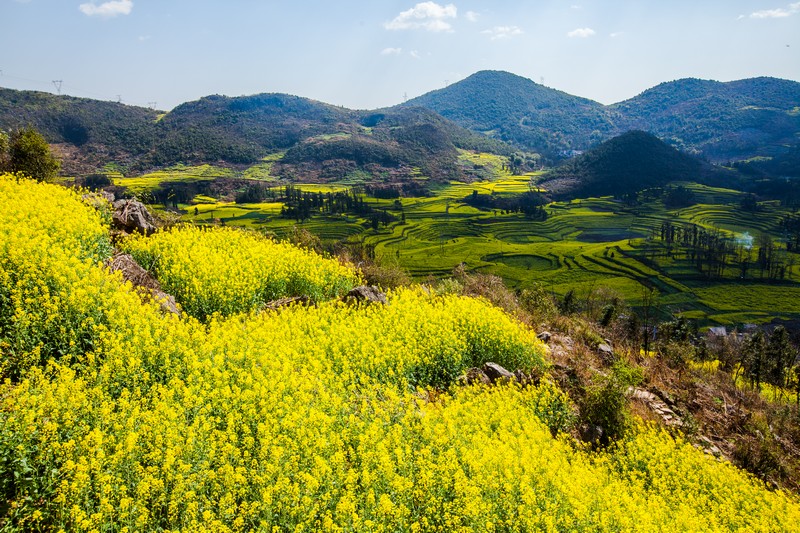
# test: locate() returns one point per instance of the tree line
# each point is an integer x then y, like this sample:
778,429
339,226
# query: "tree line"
712,252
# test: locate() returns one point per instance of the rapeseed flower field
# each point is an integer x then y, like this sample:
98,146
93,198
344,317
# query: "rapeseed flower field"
227,271
115,416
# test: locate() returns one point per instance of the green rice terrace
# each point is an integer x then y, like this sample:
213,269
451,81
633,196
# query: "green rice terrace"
581,245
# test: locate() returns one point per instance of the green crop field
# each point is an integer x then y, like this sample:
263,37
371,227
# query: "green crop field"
583,245
150,181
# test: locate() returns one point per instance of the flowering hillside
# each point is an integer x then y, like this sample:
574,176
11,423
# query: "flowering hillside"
224,270
115,416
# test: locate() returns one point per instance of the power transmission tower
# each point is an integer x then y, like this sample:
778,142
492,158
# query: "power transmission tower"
446,83
119,98
541,80
152,105
57,84
405,95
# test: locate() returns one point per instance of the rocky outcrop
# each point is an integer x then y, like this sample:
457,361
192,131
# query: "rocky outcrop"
493,374
142,280
365,293
133,271
497,373
132,216
474,376
606,352
658,406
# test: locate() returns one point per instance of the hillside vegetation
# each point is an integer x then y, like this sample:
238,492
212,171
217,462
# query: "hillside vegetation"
119,417
320,141
627,164
721,121
517,110
486,112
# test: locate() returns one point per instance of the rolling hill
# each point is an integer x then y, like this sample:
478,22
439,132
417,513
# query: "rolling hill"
527,114
721,121
320,140
631,162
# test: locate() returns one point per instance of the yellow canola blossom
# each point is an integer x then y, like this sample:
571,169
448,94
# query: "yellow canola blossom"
227,270
305,419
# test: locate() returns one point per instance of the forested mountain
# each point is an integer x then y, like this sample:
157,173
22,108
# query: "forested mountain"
321,140
721,121
527,114
91,132
631,162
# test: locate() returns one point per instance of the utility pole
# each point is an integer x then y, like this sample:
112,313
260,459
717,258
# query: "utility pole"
57,84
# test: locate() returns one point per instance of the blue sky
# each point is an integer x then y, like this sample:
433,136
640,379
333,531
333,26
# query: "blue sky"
363,54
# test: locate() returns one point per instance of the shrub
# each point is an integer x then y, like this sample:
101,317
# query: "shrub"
606,405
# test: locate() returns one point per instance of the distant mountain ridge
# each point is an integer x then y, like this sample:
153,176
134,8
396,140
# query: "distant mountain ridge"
322,139
520,111
721,121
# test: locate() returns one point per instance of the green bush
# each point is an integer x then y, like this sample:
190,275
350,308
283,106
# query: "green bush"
606,405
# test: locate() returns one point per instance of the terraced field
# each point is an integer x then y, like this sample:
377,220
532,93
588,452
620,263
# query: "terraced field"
582,246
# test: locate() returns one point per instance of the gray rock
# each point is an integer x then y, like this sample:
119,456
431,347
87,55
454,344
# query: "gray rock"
605,351
132,271
143,281
496,372
365,293
473,376
131,216
544,336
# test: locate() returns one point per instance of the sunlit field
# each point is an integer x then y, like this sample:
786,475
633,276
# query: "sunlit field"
117,416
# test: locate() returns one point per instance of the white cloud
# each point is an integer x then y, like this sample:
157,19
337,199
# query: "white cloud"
472,16
581,32
616,34
391,51
575,6
414,54
425,15
502,32
143,38
107,9
777,13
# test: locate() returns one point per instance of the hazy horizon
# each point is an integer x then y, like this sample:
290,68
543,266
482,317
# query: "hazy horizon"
365,55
